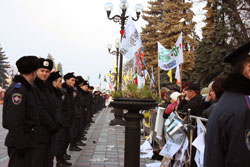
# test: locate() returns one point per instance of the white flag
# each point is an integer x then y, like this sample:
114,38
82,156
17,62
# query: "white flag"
168,60
131,40
177,74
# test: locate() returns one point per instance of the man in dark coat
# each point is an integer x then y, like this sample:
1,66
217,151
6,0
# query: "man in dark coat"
68,89
69,85
20,114
58,139
49,118
228,128
87,108
193,100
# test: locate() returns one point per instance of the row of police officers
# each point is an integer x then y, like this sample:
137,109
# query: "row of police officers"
44,116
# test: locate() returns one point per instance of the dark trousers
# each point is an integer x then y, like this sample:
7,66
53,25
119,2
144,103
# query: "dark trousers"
20,158
41,155
57,145
74,130
67,139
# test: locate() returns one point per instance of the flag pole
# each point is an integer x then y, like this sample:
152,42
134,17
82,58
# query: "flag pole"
181,78
159,84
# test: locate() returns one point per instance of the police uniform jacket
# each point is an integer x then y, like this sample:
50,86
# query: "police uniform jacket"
78,102
228,129
95,103
49,120
20,114
68,101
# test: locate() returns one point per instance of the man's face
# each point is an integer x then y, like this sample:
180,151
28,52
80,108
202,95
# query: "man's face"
246,70
58,83
84,87
190,94
43,73
71,82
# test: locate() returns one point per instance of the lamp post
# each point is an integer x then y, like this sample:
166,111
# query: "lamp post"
115,53
122,19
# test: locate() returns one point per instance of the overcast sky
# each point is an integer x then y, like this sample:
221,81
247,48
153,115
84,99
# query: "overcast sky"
74,32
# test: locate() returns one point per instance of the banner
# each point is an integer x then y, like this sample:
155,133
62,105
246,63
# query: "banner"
168,60
139,61
131,41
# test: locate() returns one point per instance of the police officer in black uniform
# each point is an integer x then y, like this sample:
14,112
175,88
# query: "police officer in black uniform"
49,117
69,85
20,114
228,128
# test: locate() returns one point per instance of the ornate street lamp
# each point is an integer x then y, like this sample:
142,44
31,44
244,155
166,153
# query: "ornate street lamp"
115,53
122,19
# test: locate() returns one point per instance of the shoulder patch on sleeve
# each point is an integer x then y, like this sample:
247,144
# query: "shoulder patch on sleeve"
16,98
248,101
18,85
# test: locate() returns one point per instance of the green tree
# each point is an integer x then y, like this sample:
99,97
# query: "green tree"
149,34
177,17
221,35
4,66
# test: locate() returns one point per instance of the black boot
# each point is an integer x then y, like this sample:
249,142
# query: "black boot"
83,138
73,147
80,143
66,156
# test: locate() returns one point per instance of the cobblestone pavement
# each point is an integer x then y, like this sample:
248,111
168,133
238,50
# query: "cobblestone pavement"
104,145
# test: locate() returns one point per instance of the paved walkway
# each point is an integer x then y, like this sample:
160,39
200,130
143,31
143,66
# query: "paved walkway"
104,145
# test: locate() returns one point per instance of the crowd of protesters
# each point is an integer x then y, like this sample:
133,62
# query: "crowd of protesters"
45,117
225,102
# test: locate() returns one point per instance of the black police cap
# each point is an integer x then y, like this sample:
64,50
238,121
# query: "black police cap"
79,80
239,54
45,63
27,64
54,75
85,83
68,76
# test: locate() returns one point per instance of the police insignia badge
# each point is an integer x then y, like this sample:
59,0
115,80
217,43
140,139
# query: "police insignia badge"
247,135
16,98
46,63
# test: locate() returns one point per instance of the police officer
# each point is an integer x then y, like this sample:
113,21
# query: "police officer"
20,114
228,128
67,90
77,118
72,93
49,119
58,139
87,96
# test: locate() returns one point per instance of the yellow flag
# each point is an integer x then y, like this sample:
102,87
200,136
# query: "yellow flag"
115,69
170,76
108,74
131,74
